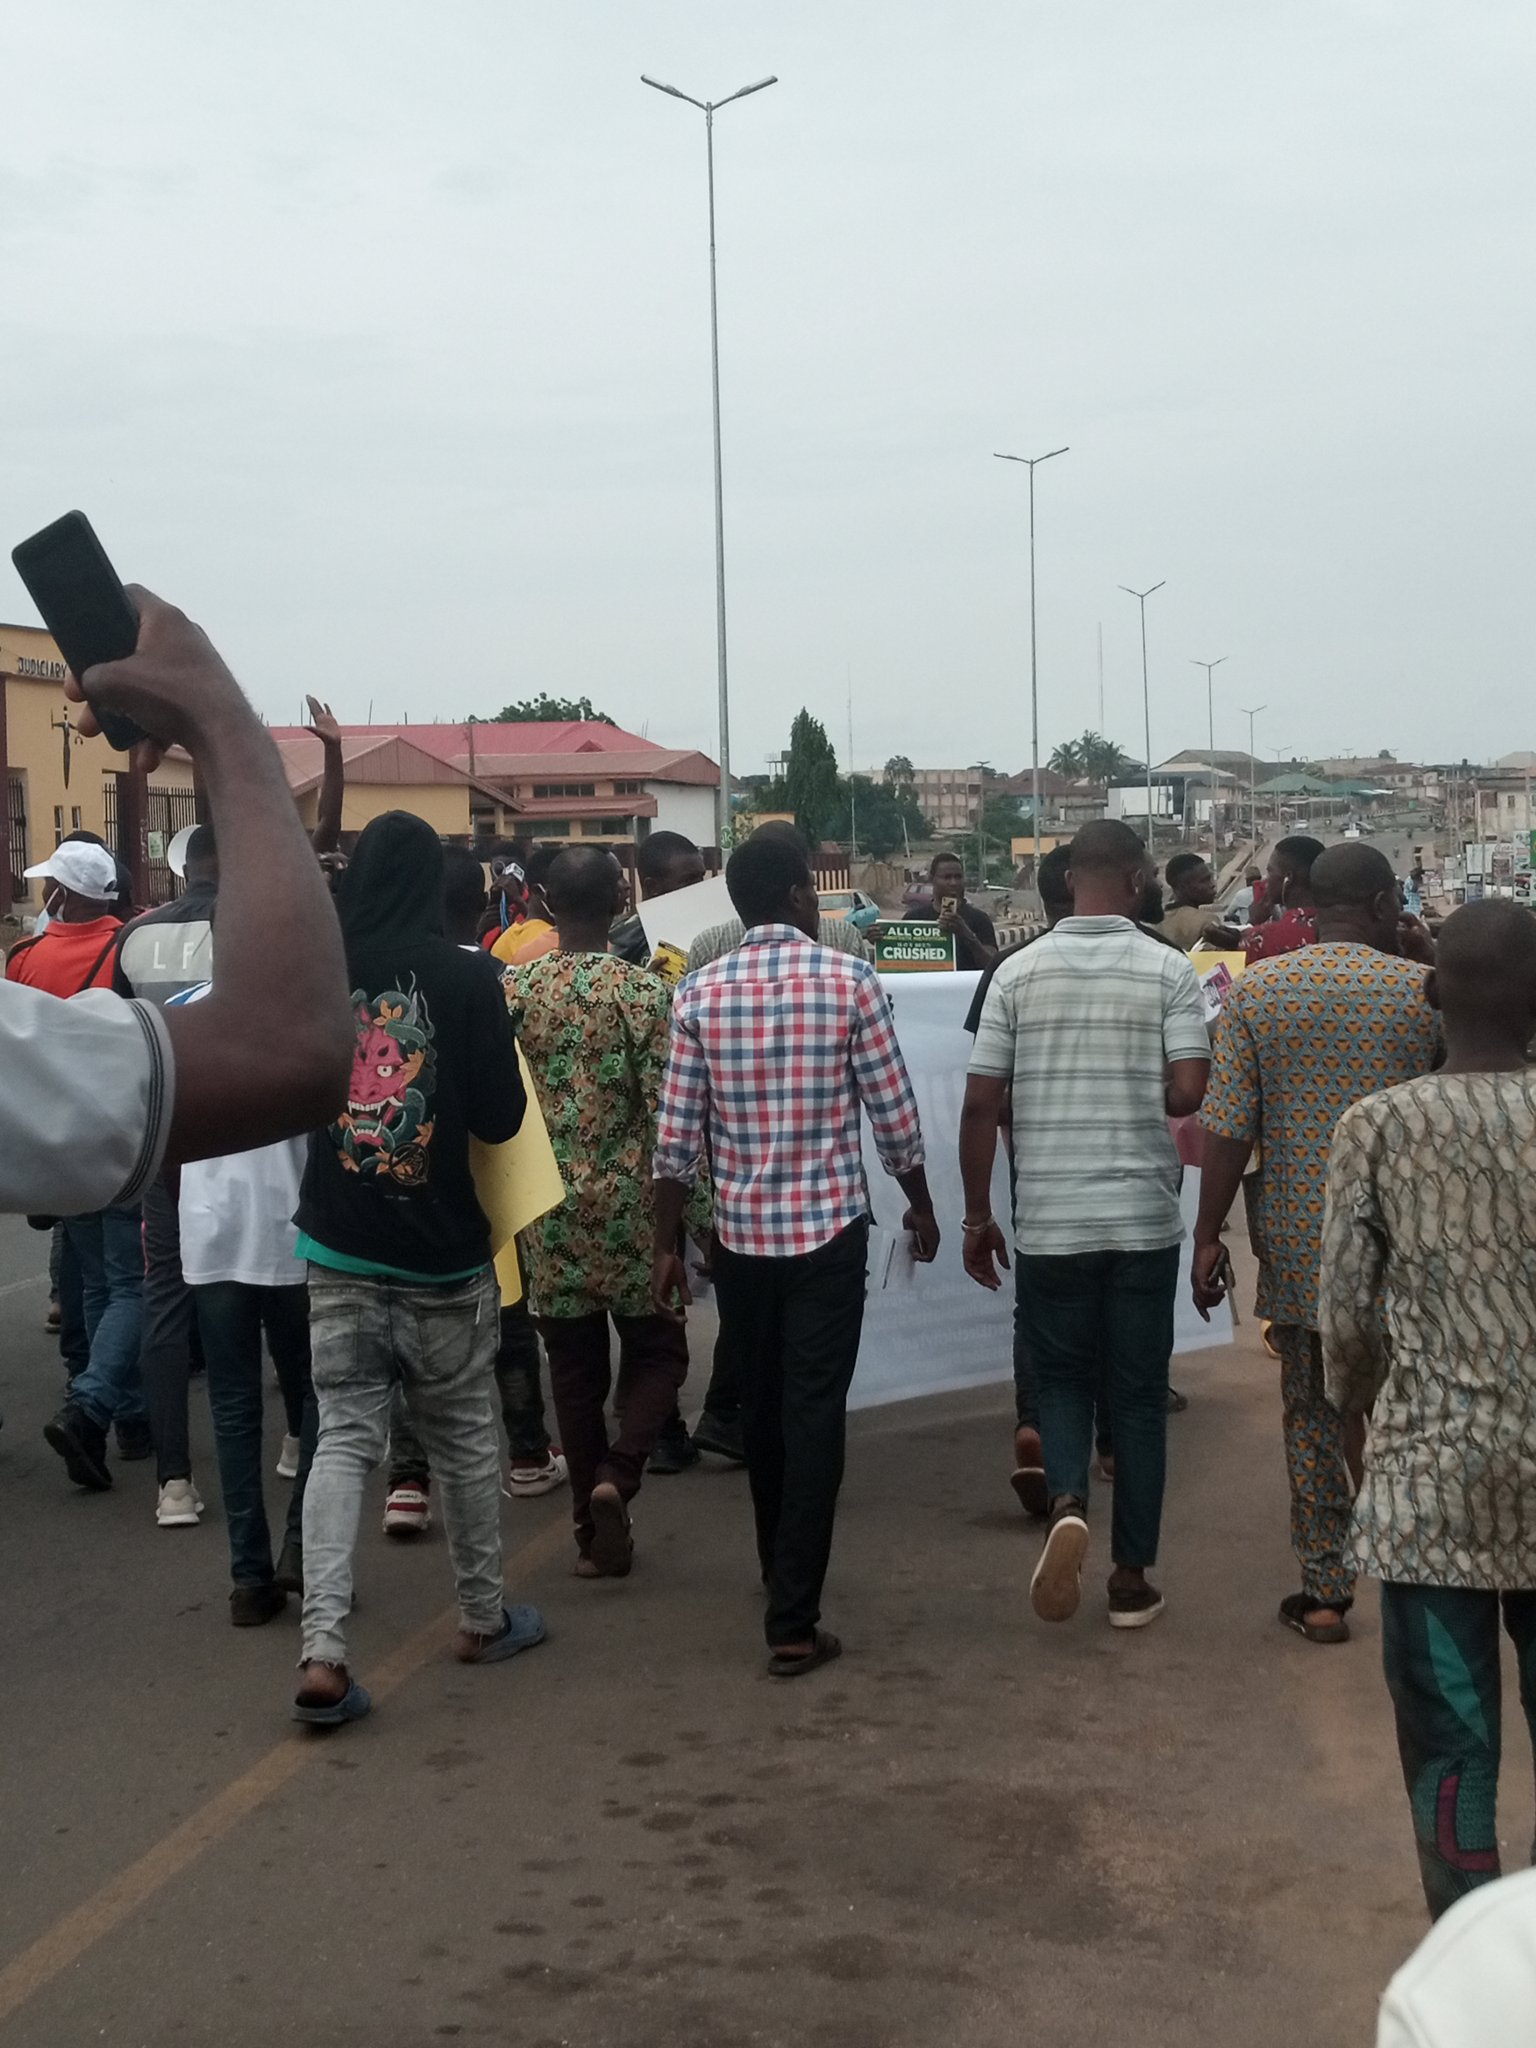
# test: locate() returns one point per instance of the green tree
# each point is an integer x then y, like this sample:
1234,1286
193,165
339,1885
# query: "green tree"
546,710
1092,758
885,817
810,786
900,774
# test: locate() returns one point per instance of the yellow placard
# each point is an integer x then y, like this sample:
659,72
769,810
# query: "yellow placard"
516,1183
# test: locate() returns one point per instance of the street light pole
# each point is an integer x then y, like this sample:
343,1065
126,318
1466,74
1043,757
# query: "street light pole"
1029,462
1141,597
1210,668
1253,777
708,108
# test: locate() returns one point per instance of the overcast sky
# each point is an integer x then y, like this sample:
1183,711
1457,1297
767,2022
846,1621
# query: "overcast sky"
377,336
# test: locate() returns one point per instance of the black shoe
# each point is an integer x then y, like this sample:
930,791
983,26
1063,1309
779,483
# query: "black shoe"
250,1606
81,1445
722,1438
134,1441
674,1452
289,1577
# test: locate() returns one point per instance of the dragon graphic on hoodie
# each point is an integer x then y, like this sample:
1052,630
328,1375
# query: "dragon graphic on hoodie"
384,1129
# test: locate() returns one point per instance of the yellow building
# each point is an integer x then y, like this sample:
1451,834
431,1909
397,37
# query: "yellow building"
54,781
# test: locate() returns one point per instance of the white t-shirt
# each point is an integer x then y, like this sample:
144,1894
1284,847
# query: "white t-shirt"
237,1217
237,1212
86,1089
1471,1983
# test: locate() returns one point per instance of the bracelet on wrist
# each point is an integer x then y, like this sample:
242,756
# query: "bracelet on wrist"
986,1223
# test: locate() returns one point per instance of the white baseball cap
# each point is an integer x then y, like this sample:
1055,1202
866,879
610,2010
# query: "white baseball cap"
79,865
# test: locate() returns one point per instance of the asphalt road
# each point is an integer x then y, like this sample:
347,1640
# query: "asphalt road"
973,1829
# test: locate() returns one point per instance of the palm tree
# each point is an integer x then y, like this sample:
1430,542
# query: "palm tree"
1092,758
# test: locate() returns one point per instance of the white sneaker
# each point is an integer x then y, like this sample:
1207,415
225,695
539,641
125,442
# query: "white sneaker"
526,1482
407,1510
288,1459
179,1505
1057,1585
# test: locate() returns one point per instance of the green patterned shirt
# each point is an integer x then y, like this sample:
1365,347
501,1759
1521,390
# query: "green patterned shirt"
594,1030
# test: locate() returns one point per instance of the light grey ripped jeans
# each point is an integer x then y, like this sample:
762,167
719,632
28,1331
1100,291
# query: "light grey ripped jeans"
368,1335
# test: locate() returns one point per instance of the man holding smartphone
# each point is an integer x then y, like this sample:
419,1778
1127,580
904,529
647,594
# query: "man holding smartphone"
100,1091
974,933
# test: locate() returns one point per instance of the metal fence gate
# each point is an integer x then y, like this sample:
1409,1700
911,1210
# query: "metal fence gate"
16,835
169,811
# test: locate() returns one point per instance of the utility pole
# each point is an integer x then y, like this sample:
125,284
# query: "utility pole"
1141,597
1253,778
1030,462
1210,668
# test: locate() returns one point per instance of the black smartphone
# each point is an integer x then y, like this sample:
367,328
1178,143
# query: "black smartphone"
84,606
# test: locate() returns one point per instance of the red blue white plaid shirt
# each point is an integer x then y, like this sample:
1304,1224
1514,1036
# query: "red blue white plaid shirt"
773,1049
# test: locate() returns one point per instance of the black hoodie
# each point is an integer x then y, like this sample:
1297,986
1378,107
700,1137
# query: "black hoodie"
389,1181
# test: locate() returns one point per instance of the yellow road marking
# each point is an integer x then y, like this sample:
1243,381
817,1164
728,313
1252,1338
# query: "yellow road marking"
68,1939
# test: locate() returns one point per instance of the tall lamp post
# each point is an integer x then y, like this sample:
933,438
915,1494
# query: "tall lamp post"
1253,777
1210,668
1141,597
708,108
1029,462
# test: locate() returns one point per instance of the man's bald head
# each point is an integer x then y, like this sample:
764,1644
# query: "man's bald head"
1350,874
1356,896
1484,977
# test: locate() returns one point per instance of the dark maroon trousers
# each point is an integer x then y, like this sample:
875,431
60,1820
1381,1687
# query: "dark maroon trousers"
653,1363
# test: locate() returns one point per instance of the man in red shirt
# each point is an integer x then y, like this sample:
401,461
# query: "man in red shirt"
1288,892
74,952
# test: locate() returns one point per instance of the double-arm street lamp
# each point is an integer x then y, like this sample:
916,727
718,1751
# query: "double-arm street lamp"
708,109
1034,668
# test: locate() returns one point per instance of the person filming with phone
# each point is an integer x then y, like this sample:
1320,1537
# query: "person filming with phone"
100,1091
973,932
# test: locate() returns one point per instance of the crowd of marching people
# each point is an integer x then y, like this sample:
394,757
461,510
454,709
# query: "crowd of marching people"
298,1182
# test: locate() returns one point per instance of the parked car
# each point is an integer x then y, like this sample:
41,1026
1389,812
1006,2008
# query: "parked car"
853,906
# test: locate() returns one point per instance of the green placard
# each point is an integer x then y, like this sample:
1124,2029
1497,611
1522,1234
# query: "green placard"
914,946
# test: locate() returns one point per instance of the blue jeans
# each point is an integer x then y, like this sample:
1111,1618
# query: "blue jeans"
110,1252
1026,1380
371,1334
1116,1307
232,1318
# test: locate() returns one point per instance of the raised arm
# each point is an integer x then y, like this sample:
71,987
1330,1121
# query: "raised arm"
333,777
267,1055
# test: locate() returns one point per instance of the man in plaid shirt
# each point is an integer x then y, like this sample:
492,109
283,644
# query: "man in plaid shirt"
774,1049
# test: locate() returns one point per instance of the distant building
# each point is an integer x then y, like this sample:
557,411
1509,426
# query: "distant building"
569,780
949,798
53,781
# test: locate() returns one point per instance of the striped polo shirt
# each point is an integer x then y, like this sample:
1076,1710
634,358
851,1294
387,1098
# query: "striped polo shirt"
1082,1023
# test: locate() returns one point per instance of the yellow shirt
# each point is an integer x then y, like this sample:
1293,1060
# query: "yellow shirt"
520,943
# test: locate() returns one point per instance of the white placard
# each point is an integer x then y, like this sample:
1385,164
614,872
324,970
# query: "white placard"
677,920
931,1329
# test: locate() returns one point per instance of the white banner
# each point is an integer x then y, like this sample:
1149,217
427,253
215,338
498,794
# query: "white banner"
931,1329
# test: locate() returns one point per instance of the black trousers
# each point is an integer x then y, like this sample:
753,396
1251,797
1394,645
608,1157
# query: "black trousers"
793,1327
